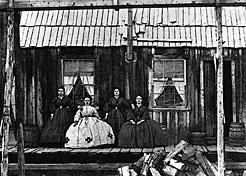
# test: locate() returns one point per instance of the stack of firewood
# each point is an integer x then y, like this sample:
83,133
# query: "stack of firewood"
183,160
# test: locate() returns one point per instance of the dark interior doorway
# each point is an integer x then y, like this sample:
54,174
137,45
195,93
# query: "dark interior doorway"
227,83
210,95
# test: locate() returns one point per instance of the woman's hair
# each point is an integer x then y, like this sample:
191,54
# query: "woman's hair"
61,87
117,89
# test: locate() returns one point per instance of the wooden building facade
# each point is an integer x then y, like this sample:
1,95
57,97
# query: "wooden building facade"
88,46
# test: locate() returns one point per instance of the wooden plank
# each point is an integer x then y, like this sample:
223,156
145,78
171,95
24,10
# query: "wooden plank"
47,36
169,148
105,17
229,148
101,39
59,17
94,151
225,37
86,36
50,16
80,36
70,36
24,17
54,18
105,150
115,150
59,36
39,18
204,16
29,36
35,35
70,17
80,150
136,150
115,17
147,150
64,36
79,17
113,36
29,150
75,36
70,166
23,36
99,17
32,20
107,36
239,149
204,148
88,17
94,17
125,150
53,37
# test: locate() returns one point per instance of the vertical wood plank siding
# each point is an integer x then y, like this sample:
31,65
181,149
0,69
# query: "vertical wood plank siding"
111,71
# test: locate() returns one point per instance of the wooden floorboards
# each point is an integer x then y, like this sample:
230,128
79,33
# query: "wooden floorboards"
113,150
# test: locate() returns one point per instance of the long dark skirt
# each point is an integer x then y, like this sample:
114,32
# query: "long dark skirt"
55,129
116,120
146,134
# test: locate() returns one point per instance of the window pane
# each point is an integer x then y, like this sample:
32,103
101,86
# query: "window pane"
87,79
169,82
158,69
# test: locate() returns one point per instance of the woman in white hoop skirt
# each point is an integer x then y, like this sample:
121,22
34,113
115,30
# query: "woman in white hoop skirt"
88,130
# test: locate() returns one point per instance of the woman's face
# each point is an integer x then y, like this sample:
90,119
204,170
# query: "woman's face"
139,99
60,92
87,101
116,92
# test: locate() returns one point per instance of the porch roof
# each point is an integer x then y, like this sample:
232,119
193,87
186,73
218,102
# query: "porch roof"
158,27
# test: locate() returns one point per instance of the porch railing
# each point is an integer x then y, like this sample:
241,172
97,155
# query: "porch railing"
175,122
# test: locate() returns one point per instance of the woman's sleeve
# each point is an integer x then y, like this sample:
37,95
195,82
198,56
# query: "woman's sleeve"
106,106
53,106
130,115
146,114
95,113
77,115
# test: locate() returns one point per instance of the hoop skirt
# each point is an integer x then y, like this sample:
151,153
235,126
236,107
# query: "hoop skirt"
90,130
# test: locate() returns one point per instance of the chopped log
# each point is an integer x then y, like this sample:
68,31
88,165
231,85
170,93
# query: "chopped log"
206,167
175,151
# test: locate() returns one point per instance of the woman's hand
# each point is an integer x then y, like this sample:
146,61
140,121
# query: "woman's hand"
51,116
132,122
133,107
75,123
141,121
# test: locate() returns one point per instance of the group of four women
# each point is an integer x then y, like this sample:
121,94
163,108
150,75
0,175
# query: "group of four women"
123,125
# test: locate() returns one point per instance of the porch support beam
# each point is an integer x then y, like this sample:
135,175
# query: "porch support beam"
75,4
220,105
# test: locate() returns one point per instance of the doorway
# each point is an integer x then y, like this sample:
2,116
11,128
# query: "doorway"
210,95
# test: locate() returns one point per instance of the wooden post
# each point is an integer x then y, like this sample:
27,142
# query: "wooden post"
220,109
128,55
19,94
202,113
7,90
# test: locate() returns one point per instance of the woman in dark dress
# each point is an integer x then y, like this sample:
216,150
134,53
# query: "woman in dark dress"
55,129
116,112
140,130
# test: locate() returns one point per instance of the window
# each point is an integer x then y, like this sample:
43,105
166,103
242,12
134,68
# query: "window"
79,78
168,82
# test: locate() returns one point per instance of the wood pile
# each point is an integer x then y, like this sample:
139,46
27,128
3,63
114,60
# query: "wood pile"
183,160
